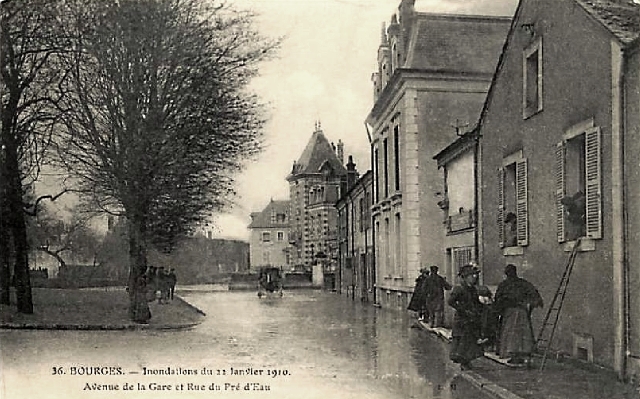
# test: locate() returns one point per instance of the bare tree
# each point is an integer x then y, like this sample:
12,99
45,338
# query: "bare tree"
31,90
59,237
162,120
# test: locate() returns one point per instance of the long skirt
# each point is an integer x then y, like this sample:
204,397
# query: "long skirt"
465,348
516,337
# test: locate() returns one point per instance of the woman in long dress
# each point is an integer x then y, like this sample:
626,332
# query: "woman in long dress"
467,322
515,299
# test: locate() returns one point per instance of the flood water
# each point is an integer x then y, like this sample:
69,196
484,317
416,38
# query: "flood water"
308,344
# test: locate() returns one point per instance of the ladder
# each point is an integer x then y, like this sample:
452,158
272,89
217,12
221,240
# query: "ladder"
545,336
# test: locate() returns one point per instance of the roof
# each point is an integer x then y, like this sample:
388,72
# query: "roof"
316,154
456,148
262,220
620,17
464,43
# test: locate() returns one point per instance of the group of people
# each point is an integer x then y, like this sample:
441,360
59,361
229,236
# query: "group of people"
161,284
428,296
482,320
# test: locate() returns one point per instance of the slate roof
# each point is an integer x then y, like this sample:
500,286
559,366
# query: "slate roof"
316,153
447,42
620,17
262,220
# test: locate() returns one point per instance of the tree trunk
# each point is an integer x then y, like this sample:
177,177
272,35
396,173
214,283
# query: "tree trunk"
5,258
18,228
5,270
138,305
16,220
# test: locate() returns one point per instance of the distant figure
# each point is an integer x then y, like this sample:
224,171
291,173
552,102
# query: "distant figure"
575,206
511,230
418,302
152,283
162,285
435,285
173,279
467,322
141,313
515,299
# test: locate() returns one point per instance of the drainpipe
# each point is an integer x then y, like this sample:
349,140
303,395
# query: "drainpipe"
618,217
476,213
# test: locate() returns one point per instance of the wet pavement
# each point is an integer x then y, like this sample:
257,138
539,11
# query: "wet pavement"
309,344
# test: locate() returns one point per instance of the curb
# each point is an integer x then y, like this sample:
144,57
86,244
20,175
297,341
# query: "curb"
191,306
105,327
94,327
474,378
488,386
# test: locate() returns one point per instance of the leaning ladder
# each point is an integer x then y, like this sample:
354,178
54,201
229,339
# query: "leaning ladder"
545,336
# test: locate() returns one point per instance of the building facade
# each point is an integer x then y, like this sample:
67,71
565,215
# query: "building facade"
269,241
559,169
356,268
458,204
433,74
315,184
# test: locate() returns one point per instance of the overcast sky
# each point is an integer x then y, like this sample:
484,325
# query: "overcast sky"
323,72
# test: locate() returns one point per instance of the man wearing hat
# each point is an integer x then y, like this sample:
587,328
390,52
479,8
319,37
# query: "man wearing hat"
435,287
467,322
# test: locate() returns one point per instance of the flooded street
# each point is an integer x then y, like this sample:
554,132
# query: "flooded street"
308,344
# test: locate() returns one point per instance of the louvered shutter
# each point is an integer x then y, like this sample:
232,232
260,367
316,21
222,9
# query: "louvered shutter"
522,208
500,218
593,183
560,190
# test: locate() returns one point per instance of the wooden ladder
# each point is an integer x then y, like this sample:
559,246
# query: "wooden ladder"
545,336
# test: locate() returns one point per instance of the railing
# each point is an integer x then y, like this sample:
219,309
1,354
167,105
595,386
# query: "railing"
461,221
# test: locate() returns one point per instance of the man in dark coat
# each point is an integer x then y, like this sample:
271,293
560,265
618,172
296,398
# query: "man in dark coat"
467,322
173,279
418,301
435,286
515,299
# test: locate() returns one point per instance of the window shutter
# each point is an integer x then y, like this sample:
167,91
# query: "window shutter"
593,183
560,188
500,218
522,209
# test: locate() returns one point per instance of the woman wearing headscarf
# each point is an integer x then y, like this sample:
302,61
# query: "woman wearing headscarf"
515,299
467,322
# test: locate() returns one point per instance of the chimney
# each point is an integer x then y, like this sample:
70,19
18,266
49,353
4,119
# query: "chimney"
352,173
340,152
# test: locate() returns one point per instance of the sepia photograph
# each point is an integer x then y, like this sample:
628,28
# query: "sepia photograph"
313,199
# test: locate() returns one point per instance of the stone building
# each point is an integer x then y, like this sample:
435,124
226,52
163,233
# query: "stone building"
269,241
356,269
433,74
559,153
316,181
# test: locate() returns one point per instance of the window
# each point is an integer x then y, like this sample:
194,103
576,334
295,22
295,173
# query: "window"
513,212
363,213
281,218
396,155
376,166
385,154
578,184
532,79
266,257
281,236
266,236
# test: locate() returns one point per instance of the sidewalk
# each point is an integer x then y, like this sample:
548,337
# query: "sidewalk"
95,309
567,380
